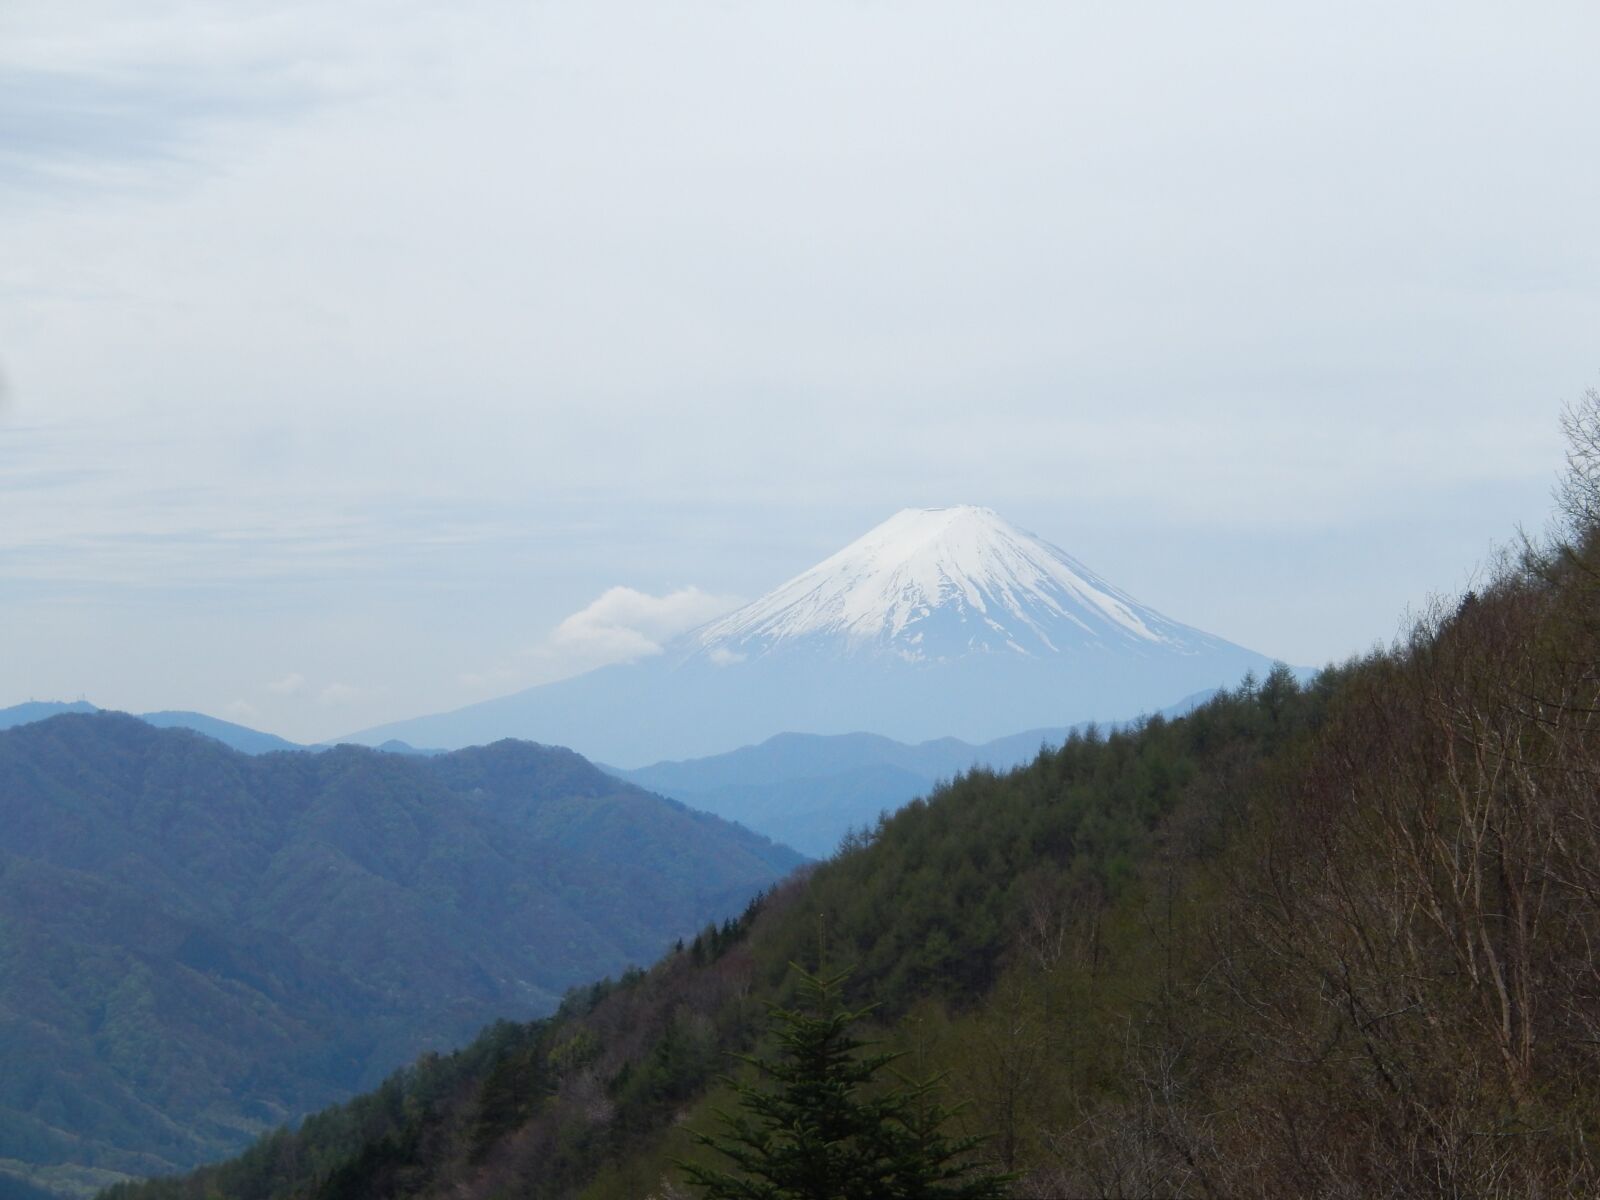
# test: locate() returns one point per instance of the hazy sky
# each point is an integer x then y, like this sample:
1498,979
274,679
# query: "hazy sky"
362,360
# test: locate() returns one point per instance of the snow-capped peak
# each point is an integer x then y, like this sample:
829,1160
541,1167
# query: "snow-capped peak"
939,583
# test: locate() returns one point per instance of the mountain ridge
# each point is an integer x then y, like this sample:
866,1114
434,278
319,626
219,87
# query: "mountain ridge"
809,790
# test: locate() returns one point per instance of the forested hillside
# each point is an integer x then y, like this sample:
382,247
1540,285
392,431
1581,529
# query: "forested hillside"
1336,939
197,945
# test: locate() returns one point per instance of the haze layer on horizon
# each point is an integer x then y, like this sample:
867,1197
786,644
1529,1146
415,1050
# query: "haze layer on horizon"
367,360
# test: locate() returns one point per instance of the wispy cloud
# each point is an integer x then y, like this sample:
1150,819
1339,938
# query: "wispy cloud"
63,130
104,95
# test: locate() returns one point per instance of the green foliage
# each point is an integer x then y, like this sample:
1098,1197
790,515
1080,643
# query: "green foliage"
814,1128
929,902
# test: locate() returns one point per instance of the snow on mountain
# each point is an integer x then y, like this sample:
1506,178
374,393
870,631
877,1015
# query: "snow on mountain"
896,589
939,622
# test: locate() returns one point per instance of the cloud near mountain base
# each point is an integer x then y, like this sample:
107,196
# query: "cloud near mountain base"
623,624
620,625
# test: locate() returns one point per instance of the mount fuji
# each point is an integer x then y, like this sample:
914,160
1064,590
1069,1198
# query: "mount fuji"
946,621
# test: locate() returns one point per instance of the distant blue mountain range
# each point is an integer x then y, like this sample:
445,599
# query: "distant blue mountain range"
807,790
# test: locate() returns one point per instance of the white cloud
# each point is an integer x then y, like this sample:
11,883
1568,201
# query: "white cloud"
620,625
623,624
242,710
291,684
723,657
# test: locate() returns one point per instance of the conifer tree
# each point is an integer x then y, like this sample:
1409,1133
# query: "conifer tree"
814,1127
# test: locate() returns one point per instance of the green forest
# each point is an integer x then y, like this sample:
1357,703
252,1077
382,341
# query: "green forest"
197,945
1336,939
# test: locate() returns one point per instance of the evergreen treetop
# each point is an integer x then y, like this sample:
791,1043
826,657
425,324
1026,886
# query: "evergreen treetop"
815,1127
